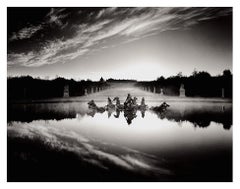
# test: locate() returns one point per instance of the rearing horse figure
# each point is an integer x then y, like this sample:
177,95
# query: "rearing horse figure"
110,105
119,106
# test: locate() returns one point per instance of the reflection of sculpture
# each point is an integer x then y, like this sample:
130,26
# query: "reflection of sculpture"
143,112
110,112
117,113
199,117
182,91
130,115
91,113
66,91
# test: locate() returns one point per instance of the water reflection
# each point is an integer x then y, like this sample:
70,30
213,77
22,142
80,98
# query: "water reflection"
128,114
42,142
160,145
199,114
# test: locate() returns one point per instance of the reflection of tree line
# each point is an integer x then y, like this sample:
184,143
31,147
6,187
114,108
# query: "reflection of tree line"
200,117
31,112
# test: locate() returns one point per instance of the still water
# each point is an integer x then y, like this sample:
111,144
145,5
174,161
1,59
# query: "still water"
68,142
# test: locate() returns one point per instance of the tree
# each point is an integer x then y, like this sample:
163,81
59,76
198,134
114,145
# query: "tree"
179,74
102,80
194,73
160,78
227,73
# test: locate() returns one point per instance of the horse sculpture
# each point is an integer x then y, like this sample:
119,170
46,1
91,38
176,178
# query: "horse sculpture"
110,105
130,104
128,101
92,106
119,106
130,108
163,107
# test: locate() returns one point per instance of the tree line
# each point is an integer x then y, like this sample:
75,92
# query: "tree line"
200,84
26,87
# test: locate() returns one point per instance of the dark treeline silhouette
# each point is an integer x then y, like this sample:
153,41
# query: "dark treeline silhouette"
26,87
200,84
121,80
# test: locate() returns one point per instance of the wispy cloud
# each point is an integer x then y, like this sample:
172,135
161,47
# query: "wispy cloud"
25,33
128,23
55,16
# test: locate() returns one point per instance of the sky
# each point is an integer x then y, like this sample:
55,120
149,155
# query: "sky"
123,43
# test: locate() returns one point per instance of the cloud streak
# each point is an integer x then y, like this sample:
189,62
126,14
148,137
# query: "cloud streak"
129,24
54,17
25,33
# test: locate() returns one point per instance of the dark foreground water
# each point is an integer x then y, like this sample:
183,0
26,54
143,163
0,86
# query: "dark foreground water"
68,142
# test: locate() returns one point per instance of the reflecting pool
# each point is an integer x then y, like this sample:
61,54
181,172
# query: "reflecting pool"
68,142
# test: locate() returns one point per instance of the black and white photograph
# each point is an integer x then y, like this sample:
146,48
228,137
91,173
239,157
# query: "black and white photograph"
119,94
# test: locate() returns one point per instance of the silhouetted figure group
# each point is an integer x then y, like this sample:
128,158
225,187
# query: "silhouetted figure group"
92,105
131,103
129,107
161,108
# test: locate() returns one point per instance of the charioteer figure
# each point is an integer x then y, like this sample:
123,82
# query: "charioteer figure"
128,102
